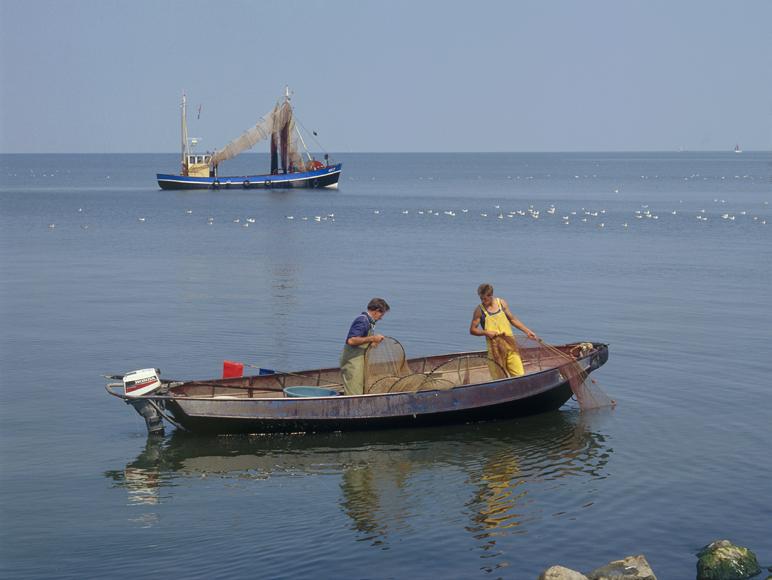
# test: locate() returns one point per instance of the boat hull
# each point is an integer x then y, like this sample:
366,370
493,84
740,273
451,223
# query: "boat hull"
206,420
534,393
326,177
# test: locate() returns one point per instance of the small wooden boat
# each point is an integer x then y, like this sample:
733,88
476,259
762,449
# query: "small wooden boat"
298,168
264,403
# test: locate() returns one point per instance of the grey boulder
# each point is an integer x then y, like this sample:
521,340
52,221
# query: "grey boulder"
631,568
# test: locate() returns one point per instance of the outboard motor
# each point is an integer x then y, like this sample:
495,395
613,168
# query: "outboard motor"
140,383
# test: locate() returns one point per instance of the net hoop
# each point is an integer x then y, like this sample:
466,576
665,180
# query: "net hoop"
382,360
460,370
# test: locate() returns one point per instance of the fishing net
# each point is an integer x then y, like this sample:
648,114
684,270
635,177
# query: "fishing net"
272,122
409,384
501,347
387,371
586,390
432,383
383,361
278,123
538,356
468,370
383,385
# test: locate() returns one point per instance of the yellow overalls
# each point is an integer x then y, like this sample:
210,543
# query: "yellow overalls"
498,322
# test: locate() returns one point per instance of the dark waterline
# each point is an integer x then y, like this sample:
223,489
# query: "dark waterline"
683,302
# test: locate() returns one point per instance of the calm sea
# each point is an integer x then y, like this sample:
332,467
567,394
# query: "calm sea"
667,257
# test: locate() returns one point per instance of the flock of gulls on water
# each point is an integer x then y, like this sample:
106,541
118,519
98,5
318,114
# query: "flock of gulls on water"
583,215
597,217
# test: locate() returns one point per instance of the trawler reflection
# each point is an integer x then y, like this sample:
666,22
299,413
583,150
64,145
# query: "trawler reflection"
390,479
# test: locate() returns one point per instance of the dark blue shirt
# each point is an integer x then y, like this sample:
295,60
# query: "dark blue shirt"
361,326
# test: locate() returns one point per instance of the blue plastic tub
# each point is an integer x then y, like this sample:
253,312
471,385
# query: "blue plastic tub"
309,392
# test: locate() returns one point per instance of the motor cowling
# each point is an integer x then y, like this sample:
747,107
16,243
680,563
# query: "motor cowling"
137,384
141,382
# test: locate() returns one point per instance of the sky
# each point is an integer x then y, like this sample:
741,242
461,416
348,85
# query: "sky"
106,76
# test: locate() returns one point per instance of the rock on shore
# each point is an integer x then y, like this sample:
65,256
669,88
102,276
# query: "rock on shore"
630,568
561,573
722,560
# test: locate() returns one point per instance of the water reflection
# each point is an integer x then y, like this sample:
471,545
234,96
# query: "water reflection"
498,489
486,480
142,477
537,458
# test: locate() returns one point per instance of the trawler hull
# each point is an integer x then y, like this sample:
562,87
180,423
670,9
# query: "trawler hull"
326,177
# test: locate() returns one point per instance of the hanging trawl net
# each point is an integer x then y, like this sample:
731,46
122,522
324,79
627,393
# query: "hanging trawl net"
296,162
273,122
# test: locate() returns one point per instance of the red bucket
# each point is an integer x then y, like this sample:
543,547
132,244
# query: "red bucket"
231,369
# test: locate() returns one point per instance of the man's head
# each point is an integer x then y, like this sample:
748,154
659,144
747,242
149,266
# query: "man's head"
377,307
485,292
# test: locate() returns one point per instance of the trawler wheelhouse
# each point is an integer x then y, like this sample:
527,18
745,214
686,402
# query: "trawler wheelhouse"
198,166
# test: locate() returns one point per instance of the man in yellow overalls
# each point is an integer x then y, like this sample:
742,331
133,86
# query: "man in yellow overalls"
492,318
360,337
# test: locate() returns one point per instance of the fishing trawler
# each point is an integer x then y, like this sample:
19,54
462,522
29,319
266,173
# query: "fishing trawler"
290,168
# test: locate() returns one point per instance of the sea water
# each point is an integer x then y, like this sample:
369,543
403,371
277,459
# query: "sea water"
667,257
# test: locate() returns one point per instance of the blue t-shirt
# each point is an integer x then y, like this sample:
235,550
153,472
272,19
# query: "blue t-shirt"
361,326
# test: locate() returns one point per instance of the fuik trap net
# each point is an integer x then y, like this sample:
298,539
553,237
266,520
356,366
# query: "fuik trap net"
387,370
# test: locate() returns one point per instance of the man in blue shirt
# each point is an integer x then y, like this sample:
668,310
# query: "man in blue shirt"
360,337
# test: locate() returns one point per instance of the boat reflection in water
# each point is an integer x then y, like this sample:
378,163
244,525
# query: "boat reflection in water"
495,474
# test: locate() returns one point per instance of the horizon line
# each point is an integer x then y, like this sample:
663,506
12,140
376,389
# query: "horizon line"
590,151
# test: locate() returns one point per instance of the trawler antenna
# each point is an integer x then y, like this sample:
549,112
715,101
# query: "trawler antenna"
184,111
